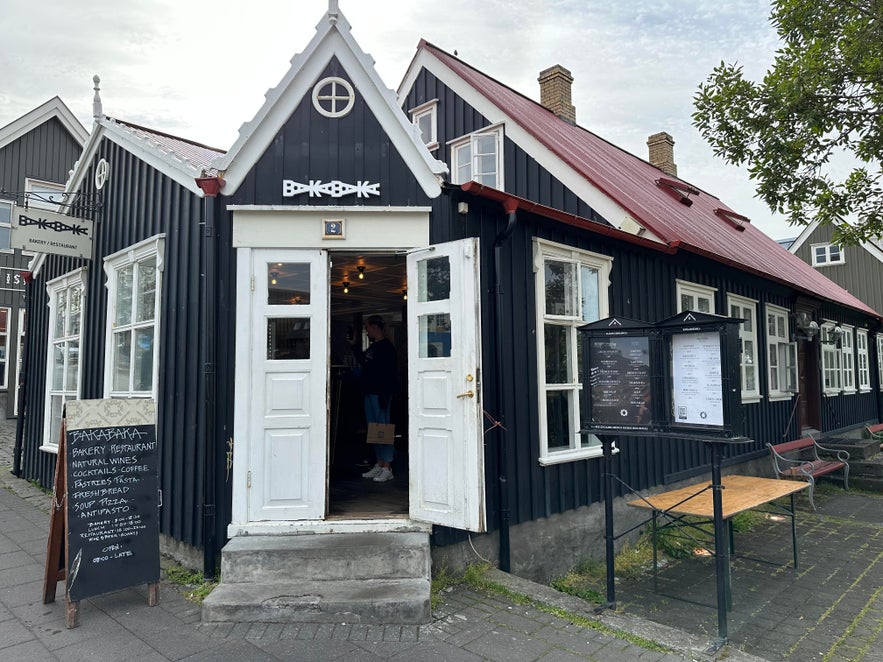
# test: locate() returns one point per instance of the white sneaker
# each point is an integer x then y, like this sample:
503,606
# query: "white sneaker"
373,472
384,475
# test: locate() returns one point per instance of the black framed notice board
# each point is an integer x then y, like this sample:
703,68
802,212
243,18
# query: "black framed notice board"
112,498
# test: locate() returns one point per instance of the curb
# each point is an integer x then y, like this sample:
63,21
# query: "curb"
682,643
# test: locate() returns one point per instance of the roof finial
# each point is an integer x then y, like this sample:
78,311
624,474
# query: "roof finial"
333,10
97,111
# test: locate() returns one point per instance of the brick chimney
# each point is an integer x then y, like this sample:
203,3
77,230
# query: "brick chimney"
662,153
555,85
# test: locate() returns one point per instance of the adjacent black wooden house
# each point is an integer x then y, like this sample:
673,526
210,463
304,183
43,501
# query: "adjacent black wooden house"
37,151
486,229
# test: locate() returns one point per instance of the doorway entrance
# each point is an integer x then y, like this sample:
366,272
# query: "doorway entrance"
363,284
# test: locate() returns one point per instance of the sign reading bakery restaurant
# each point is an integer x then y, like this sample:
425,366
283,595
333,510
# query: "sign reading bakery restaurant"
44,231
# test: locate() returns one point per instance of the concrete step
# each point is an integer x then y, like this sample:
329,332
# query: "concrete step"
858,449
869,483
399,601
326,557
868,469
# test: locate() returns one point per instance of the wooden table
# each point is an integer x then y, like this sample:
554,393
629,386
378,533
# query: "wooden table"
740,493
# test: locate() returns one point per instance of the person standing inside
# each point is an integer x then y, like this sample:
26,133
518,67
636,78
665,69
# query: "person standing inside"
378,380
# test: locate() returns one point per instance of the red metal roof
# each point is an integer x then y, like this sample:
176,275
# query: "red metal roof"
701,228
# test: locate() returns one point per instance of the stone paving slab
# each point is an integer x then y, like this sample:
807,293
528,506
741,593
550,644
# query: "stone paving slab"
831,608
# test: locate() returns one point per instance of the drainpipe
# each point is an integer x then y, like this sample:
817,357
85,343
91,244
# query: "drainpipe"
209,278
22,384
511,207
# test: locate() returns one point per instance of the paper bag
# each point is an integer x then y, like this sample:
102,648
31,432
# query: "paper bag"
381,433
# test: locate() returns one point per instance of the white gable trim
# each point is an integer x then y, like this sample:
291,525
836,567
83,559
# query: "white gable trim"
55,107
873,249
606,206
332,38
803,237
169,164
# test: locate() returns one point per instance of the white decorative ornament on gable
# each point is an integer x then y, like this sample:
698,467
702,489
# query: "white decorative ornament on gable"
101,174
332,101
336,188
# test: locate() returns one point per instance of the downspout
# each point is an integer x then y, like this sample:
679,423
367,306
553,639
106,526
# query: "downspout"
22,383
511,208
209,278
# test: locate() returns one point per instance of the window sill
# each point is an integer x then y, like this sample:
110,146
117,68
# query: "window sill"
751,399
831,392
777,397
573,455
49,449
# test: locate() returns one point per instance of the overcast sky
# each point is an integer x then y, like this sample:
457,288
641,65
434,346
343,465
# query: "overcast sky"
200,69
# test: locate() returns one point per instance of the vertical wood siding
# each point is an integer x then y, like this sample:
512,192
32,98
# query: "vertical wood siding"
642,287
139,203
524,176
46,153
861,274
350,149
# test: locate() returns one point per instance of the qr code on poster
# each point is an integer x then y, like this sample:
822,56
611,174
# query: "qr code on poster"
682,412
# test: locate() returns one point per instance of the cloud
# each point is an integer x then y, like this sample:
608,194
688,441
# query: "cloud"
201,70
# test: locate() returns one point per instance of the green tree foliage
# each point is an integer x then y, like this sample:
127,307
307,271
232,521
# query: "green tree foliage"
820,100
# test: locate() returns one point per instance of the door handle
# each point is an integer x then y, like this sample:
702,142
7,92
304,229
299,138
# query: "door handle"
467,394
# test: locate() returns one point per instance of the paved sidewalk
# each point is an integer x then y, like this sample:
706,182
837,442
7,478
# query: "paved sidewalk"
468,625
831,609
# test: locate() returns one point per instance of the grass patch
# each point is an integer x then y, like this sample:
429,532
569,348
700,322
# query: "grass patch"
190,583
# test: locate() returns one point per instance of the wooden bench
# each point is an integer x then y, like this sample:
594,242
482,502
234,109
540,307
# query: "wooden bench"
799,460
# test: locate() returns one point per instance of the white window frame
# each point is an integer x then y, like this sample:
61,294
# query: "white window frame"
684,288
824,255
471,141
19,344
4,348
781,355
44,188
879,361
7,226
66,283
746,309
832,361
113,264
580,446
423,111
863,366
847,346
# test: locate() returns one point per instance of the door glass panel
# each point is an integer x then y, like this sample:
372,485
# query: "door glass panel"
434,279
288,338
288,284
434,335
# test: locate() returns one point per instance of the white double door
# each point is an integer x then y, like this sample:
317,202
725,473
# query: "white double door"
282,378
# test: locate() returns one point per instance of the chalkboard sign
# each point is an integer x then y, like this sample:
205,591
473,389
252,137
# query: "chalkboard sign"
111,461
620,381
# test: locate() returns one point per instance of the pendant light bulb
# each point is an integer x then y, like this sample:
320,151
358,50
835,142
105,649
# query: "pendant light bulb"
346,287
361,273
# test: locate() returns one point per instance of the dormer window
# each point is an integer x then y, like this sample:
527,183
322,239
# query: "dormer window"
424,118
825,254
479,157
